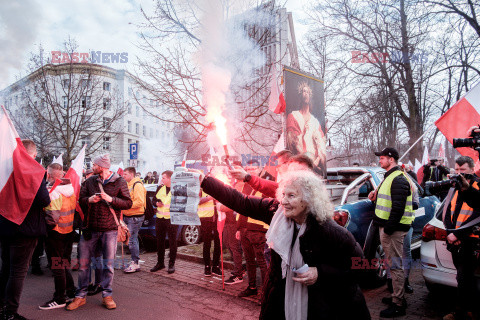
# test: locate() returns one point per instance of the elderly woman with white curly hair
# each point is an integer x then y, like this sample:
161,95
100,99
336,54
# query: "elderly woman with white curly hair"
310,275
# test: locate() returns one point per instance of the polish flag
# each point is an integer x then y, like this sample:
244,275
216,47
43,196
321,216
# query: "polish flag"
75,173
20,174
276,103
441,150
465,113
58,160
272,164
426,157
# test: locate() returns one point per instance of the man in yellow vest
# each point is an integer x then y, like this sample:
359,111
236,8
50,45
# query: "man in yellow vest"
394,215
59,216
462,205
163,225
208,220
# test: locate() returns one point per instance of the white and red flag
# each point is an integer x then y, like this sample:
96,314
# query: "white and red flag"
426,157
20,174
441,150
276,103
465,113
75,173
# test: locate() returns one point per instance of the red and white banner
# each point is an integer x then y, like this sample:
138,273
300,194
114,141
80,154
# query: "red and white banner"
276,103
465,113
75,173
20,174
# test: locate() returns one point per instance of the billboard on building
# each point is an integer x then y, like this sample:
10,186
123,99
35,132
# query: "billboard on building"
305,125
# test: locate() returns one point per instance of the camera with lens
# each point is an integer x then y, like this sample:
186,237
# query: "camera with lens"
472,142
454,180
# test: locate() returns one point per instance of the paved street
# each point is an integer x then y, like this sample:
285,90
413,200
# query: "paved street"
187,294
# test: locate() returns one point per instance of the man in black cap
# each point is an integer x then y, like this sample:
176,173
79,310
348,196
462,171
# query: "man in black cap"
394,215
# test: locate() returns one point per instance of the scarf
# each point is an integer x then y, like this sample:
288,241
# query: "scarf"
279,238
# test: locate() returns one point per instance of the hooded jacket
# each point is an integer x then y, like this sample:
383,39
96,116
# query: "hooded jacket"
138,193
59,215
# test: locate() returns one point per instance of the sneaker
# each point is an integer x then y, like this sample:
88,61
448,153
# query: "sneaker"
393,311
216,271
77,302
248,292
157,267
93,289
171,267
132,267
109,303
52,304
234,279
208,271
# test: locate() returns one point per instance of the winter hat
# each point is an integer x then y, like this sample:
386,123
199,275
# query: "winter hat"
102,161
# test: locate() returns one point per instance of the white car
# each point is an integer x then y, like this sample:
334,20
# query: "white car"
437,263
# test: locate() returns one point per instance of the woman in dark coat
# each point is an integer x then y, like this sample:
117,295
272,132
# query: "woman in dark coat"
302,234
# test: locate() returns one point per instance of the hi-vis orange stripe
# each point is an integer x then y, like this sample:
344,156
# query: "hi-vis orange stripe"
465,211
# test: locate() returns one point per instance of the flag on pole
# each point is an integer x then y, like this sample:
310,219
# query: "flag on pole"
184,161
417,166
276,102
465,113
75,173
441,150
426,157
419,171
221,217
20,174
272,164
118,168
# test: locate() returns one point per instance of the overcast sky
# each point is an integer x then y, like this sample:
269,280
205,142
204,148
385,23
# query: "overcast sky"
100,25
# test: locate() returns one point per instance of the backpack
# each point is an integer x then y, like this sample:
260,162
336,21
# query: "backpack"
149,210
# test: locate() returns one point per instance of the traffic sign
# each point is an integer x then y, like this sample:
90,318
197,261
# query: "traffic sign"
133,163
133,151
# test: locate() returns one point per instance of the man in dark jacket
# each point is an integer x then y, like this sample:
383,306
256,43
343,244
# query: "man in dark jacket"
101,194
18,243
394,215
462,206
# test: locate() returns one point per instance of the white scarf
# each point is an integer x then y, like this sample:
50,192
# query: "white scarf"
279,238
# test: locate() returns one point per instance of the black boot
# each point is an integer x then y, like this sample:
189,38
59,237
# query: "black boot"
171,267
408,287
393,311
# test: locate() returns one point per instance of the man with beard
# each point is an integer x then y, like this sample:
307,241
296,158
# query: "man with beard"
103,195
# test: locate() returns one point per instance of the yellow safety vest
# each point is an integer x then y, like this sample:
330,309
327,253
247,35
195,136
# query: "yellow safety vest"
164,211
384,201
64,207
465,211
206,209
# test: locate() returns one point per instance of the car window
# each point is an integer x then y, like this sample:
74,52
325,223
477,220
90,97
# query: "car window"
360,191
380,175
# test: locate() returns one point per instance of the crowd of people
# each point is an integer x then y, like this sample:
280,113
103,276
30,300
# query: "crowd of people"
284,227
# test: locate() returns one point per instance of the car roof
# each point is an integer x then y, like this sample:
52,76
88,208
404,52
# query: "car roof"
354,170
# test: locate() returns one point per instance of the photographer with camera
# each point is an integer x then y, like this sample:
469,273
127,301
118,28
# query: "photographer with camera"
435,171
460,216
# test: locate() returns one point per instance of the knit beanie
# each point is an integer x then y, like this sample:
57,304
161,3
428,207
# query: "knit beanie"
103,161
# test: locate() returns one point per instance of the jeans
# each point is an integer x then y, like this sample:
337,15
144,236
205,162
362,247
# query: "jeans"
235,248
209,233
16,256
134,223
107,240
59,248
162,226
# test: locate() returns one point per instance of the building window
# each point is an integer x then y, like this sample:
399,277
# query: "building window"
106,103
86,102
85,83
106,143
86,140
137,128
144,131
137,111
129,108
106,122
129,126
85,123
106,86
130,92
65,102
151,132
65,83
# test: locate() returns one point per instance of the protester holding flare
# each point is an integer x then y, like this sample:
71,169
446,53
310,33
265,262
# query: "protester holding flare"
302,234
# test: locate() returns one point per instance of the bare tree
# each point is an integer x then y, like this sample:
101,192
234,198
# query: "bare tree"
173,78
66,105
